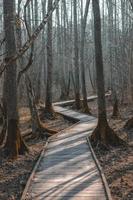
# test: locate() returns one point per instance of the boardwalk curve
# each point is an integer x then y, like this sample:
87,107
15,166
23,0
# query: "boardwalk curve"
67,170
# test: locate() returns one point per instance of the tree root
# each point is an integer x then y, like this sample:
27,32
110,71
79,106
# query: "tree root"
48,113
86,109
43,128
43,131
105,136
129,124
14,144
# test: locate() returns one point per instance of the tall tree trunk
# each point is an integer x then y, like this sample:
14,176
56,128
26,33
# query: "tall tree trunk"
83,28
129,123
115,87
48,101
14,143
76,58
103,133
131,2
62,50
38,128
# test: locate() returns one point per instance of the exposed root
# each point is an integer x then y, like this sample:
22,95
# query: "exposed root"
44,128
48,113
85,108
129,124
42,131
15,144
77,102
105,136
26,133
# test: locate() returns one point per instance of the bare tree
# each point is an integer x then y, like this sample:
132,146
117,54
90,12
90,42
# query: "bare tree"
83,28
48,100
76,57
103,133
14,142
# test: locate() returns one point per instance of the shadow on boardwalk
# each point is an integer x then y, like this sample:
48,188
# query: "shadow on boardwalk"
67,170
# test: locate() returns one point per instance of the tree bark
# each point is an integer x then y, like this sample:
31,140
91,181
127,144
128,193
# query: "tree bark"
14,142
48,100
86,109
103,133
38,128
76,58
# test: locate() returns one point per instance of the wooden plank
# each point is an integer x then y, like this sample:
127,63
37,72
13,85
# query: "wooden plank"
71,198
53,186
67,169
73,114
72,194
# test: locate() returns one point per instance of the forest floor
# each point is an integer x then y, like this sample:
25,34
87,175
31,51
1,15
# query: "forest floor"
14,174
117,163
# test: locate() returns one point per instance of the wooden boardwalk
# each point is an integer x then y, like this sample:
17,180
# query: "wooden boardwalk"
67,170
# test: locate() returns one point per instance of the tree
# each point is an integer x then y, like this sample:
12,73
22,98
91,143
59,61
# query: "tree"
30,41
131,2
48,101
83,28
76,57
103,133
129,123
14,142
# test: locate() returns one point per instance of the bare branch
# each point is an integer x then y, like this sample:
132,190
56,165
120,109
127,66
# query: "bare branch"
32,47
29,42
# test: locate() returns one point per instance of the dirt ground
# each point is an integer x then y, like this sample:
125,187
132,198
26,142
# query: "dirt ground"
118,169
14,174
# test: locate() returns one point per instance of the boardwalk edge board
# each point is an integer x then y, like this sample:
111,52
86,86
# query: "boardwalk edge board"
106,187
23,197
69,118
70,102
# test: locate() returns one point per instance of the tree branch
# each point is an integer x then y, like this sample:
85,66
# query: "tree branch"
29,42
